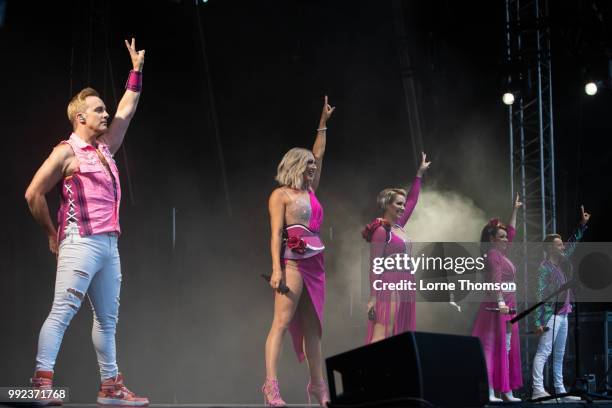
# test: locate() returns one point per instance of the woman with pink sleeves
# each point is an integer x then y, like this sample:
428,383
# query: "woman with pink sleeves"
392,312
499,338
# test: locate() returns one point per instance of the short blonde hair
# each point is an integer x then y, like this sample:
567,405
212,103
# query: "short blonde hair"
290,171
387,196
77,103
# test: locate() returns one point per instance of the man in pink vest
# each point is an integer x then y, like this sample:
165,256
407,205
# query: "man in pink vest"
85,241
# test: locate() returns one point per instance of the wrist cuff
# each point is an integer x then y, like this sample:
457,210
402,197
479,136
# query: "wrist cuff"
134,81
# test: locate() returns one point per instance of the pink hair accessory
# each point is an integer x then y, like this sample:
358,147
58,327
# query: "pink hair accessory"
496,222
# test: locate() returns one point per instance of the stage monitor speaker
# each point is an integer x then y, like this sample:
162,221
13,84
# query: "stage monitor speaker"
595,339
411,369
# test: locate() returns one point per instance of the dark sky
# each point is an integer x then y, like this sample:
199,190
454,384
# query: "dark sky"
270,64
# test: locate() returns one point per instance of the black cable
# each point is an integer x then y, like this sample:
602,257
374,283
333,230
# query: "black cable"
124,153
213,112
606,381
71,75
90,16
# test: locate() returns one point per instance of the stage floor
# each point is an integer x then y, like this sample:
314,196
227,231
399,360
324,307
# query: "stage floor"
580,404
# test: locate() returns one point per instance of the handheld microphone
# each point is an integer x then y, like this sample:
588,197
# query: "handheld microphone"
496,309
282,288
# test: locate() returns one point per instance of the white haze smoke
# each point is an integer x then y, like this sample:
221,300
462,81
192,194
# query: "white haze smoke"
440,216
445,216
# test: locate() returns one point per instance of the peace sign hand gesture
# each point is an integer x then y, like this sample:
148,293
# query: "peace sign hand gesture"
424,165
136,56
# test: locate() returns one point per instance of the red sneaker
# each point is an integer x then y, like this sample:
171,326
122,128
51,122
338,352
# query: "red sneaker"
43,380
114,393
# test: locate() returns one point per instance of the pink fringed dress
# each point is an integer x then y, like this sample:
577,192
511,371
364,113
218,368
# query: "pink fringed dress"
304,247
384,243
504,367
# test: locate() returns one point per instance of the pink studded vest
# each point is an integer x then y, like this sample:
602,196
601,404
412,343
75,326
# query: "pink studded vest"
90,197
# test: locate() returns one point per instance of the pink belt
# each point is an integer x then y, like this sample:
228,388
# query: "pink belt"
300,242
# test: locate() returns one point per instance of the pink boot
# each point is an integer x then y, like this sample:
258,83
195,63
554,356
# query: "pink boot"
319,390
271,393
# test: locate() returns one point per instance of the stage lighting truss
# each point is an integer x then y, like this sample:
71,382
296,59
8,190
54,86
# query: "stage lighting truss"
530,118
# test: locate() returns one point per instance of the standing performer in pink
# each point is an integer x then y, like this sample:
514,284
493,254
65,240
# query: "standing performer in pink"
499,338
297,265
85,241
392,312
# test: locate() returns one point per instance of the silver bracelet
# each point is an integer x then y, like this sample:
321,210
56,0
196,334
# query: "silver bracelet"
322,129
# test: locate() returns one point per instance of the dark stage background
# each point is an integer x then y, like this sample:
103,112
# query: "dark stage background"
194,317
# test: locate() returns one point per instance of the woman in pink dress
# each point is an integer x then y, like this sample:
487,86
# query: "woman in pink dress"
298,275
499,338
392,312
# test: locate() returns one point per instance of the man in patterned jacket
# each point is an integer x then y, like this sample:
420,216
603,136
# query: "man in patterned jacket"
551,319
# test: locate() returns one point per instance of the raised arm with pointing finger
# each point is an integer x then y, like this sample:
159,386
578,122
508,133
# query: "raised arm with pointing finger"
318,150
492,326
551,320
298,267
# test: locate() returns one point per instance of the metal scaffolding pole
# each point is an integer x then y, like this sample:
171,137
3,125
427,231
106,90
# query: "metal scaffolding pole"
532,169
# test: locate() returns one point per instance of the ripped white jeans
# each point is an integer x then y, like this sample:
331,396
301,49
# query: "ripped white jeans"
86,266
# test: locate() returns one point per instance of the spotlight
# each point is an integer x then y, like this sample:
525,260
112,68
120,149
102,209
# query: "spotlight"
590,88
508,98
